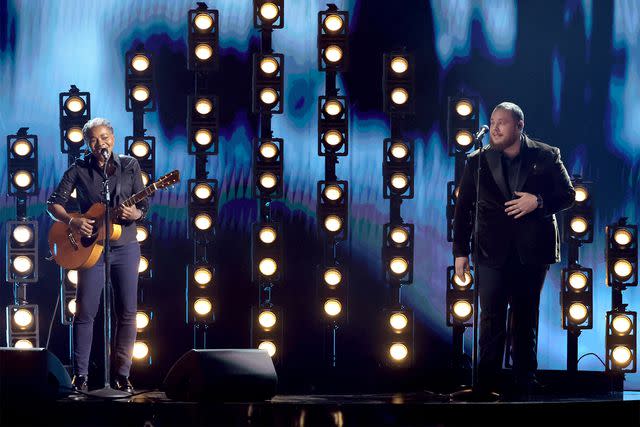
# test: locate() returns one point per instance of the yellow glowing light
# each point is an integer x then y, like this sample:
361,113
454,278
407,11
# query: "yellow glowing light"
333,138
22,147
268,267
582,193
399,150
268,150
577,280
464,138
72,277
462,282
202,306
22,234
203,191
399,64
203,276
74,135
332,192
142,320
140,93
333,108
269,65
332,277
398,352
462,309
464,107
204,106
22,344
268,180
268,346
140,62
74,104
398,265
399,235
623,269
23,318
622,237
145,178
578,312
332,307
23,179
333,23
579,224
268,96
398,321
22,265
140,350
399,96
399,181
267,235
72,306
333,54
267,319
621,355
203,221
143,265
333,223
203,137
203,21
621,324
140,149
203,51
269,11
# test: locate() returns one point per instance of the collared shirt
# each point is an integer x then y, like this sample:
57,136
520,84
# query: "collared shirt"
511,168
86,177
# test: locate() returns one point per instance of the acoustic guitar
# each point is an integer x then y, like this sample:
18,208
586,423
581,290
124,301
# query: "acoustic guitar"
74,251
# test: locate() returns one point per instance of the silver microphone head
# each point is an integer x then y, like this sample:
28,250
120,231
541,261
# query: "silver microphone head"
104,153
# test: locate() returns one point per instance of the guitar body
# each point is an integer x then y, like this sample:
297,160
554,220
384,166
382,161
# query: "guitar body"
73,251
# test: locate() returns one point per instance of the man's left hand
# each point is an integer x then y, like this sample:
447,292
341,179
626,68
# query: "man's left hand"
129,213
524,204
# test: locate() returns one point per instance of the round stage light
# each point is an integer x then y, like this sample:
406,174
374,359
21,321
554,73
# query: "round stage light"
22,234
399,181
268,96
399,96
398,266
140,350
267,319
72,306
333,23
142,233
268,346
398,352
268,267
267,235
203,221
332,307
74,135
23,318
332,192
268,150
464,138
140,93
142,320
622,237
333,223
268,181
23,148
578,312
332,108
145,178
22,344
72,277
140,149
140,63
622,269
74,104
462,282
399,64
269,12
399,151
143,265
203,192
74,194
203,137
23,265
399,236
23,179
398,321
464,107
203,22
462,310
621,356
582,193
332,54
577,280
204,106
621,324
579,225
202,276
332,277
269,65
203,51
333,138
202,306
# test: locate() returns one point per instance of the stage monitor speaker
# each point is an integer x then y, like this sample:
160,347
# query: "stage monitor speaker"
222,375
32,374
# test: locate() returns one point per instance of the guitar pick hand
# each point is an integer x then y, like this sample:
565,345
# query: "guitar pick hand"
83,226
129,213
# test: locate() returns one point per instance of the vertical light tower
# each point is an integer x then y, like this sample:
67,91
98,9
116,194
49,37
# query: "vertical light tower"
75,111
22,240
462,124
202,132
267,166
332,205
398,86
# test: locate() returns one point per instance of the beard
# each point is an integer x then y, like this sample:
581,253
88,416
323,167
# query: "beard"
504,143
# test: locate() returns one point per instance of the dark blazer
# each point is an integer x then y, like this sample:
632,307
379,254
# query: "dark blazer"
535,235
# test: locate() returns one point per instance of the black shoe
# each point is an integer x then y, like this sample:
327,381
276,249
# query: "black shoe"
122,383
80,383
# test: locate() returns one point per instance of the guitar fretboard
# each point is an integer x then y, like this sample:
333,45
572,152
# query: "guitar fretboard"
138,197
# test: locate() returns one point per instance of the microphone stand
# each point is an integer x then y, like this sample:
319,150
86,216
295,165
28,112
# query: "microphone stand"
107,391
474,394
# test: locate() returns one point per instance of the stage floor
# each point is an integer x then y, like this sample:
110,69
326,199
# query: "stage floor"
401,409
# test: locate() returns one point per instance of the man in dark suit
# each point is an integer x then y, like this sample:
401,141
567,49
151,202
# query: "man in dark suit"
523,183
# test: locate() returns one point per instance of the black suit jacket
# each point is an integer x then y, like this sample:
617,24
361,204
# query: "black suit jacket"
535,235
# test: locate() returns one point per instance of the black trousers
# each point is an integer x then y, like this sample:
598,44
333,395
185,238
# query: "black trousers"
124,262
518,285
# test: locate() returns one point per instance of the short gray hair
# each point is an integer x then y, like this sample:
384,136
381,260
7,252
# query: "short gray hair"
516,111
94,123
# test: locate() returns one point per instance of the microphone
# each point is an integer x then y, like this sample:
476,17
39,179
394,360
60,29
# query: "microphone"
484,129
104,153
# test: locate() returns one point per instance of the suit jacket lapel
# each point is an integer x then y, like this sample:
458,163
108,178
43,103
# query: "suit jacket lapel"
495,165
527,163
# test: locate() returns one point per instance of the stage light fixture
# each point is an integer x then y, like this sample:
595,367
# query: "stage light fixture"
203,276
459,298
140,350
332,307
333,46
200,292
398,352
203,39
22,324
398,82
268,155
268,346
23,344
621,342
139,86
202,124
622,254
333,129
578,219
71,306
332,292
396,329
68,288
332,277
146,178
266,329
266,252
75,111
398,321
333,208
143,149
142,233
268,14
142,320
267,319
397,253
397,169
22,251
203,208
268,83
462,124
22,164
462,310
21,148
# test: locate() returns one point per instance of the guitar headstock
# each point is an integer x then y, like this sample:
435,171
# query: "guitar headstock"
168,179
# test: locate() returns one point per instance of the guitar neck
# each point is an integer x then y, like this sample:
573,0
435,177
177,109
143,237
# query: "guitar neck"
138,197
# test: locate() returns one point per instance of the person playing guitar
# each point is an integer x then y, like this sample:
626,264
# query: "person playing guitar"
86,177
